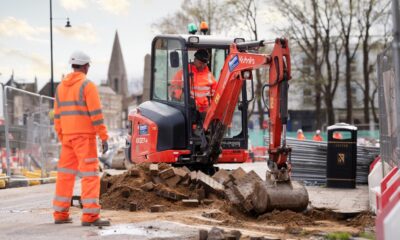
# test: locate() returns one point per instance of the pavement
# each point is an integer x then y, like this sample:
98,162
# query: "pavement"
26,213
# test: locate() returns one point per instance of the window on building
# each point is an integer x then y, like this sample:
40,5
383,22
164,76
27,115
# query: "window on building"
307,96
116,85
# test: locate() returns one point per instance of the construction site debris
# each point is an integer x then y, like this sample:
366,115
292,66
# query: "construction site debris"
190,202
133,206
219,234
147,186
157,208
154,169
152,184
203,234
167,173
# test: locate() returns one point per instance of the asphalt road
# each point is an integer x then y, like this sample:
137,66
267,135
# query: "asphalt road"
26,213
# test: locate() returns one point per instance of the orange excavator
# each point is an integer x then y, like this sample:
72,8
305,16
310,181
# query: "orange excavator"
169,130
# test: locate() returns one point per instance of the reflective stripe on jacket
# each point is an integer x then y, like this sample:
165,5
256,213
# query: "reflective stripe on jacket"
77,107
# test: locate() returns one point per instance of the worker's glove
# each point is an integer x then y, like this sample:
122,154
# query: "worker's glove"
104,145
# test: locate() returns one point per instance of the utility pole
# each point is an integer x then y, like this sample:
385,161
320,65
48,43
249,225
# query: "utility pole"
51,52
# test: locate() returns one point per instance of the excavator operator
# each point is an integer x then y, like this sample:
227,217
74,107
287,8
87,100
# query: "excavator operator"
202,82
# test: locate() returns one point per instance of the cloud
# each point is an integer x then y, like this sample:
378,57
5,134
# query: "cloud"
116,7
12,27
74,4
85,33
35,63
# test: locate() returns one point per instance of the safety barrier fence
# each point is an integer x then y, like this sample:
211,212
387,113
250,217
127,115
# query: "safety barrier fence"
29,145
309,161
388,109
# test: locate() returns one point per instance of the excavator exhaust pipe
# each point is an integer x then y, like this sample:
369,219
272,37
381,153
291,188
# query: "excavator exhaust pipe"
285,195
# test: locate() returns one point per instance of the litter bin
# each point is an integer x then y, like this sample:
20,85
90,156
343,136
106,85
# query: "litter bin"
342,156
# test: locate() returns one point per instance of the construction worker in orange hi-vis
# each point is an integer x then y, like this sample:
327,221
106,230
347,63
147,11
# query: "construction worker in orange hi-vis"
203,85
77,119
300,135
317,137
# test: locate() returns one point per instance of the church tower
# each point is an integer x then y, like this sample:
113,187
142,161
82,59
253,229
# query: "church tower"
117,78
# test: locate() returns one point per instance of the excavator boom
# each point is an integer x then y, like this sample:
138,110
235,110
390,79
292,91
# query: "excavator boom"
238,68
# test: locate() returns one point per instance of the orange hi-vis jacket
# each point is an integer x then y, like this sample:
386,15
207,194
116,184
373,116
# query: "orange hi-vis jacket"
300,136
317,138
77,109
204,86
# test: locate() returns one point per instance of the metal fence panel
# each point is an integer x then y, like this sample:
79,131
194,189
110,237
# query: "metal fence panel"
388,108
31,143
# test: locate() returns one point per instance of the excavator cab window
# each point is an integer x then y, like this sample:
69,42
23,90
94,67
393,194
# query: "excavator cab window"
167,71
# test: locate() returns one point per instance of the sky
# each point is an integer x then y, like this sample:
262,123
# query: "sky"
25,35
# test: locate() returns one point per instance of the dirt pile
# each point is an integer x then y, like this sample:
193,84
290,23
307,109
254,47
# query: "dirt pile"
146,185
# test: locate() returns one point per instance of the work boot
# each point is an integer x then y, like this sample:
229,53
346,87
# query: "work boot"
68,220
98,223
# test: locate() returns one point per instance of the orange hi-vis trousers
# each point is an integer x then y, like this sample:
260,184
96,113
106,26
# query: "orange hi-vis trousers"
78,157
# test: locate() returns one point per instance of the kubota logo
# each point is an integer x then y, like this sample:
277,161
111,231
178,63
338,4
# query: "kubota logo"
247,60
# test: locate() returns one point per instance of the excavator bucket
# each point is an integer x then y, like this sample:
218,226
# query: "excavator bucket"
284,195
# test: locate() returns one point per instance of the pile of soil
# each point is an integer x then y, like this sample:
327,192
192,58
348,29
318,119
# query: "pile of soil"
124,189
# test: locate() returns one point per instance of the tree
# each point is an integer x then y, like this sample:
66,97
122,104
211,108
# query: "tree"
247,11
372,12
347,14
196,11
331,44
304,28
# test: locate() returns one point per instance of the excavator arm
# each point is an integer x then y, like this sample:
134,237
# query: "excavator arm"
237,69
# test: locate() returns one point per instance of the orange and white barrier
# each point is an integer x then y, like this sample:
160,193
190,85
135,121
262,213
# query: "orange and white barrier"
375,177
388,207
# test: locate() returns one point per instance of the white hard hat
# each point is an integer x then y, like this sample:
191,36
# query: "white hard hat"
79,58
299,131
318,131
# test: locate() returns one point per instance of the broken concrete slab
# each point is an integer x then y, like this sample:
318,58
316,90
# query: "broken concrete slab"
216,234
173,181
167,173
134,172
229,193
154,169
203,234
147,187
156,179
186,169
181,173
237,234
190,202
237,174
207,201
250,177
271,237
193,176
157,208
209,183
243,191
222,176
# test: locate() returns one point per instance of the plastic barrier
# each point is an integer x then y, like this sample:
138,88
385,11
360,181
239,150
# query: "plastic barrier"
388,218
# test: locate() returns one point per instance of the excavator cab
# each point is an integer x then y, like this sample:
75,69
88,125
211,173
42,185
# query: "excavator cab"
168,128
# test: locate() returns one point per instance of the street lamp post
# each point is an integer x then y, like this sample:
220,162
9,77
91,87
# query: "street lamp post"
51,52
51,49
